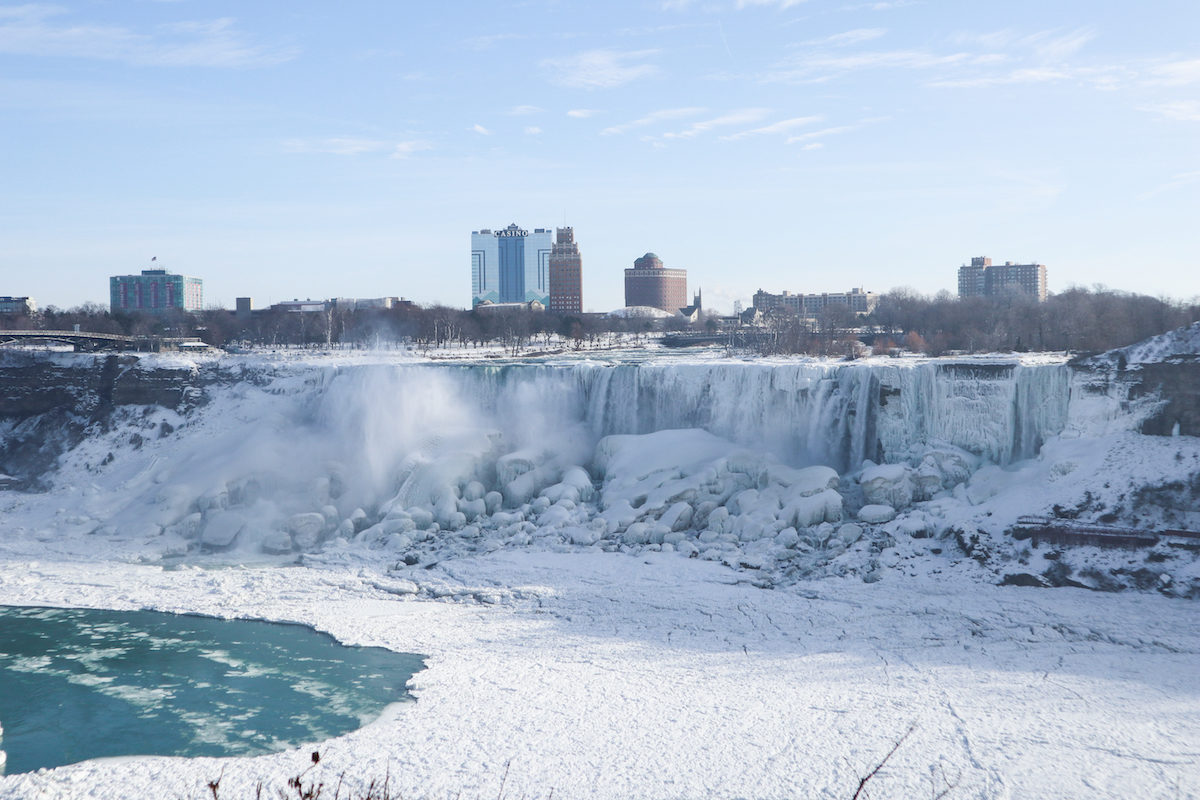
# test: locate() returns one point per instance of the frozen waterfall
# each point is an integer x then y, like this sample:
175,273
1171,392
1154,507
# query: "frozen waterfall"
804,414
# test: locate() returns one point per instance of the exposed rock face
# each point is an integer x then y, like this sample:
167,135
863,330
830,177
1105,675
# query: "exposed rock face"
47,401
1178,385
1161,373
89,385
1168,392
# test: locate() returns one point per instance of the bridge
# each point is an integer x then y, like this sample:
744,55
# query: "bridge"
91,341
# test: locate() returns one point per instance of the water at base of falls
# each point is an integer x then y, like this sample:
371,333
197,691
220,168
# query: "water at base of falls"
77,684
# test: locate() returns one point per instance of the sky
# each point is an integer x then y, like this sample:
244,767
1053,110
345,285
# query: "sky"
301,149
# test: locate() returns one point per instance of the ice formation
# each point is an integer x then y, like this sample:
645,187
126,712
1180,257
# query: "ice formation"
709,456
749,463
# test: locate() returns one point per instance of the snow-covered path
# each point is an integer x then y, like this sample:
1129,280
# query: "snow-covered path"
616,676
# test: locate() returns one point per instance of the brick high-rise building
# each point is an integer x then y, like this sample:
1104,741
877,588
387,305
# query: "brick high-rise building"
566,274
650,284
983,279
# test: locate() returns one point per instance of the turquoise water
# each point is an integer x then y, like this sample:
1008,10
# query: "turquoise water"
78,684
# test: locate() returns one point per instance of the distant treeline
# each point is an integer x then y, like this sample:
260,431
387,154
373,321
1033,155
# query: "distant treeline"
1078,319
407,323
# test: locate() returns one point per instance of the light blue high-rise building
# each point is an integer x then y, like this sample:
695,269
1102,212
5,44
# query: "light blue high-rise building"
510,265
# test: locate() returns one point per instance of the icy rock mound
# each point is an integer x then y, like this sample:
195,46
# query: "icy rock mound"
887,484
876,514
941,466
696,493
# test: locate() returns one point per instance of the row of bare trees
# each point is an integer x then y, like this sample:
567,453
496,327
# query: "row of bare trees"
425,327
1078,319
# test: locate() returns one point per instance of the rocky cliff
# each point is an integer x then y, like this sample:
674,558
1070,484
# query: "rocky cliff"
49,401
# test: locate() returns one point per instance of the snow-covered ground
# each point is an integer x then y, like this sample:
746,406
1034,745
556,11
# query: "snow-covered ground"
613,676
648,581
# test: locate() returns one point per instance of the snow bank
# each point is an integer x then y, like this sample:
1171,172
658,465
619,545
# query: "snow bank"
1181,343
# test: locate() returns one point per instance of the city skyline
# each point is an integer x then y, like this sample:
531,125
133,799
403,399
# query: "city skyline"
293,149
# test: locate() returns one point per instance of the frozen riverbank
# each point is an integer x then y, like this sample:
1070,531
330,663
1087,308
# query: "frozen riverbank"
616,676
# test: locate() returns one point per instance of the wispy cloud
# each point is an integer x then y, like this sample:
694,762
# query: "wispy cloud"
652,118
744,116
582,113
821,67
846,38
783,126
651,30
482,131
533,130
1031,75
821,134
1040,57
522,111
42,30
337,145
978,60
354,146
782,4
600,69
1051,46
883,5
1177,181
491,40
1182,110
1177,73
406,149
836,130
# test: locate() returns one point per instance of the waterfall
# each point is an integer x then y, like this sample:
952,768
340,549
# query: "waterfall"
807,413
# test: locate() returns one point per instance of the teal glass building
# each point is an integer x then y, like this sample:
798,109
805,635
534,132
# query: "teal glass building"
155,291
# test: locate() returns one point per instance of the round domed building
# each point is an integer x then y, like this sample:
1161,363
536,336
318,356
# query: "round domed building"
648,283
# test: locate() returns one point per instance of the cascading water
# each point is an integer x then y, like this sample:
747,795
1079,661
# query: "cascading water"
832,414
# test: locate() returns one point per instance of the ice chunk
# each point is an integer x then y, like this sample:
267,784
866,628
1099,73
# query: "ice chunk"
188,527
276,543
511,466
306,526
803,512
788,537
849,533
528,485
887,484
804,482
876,513
678,517
221,528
